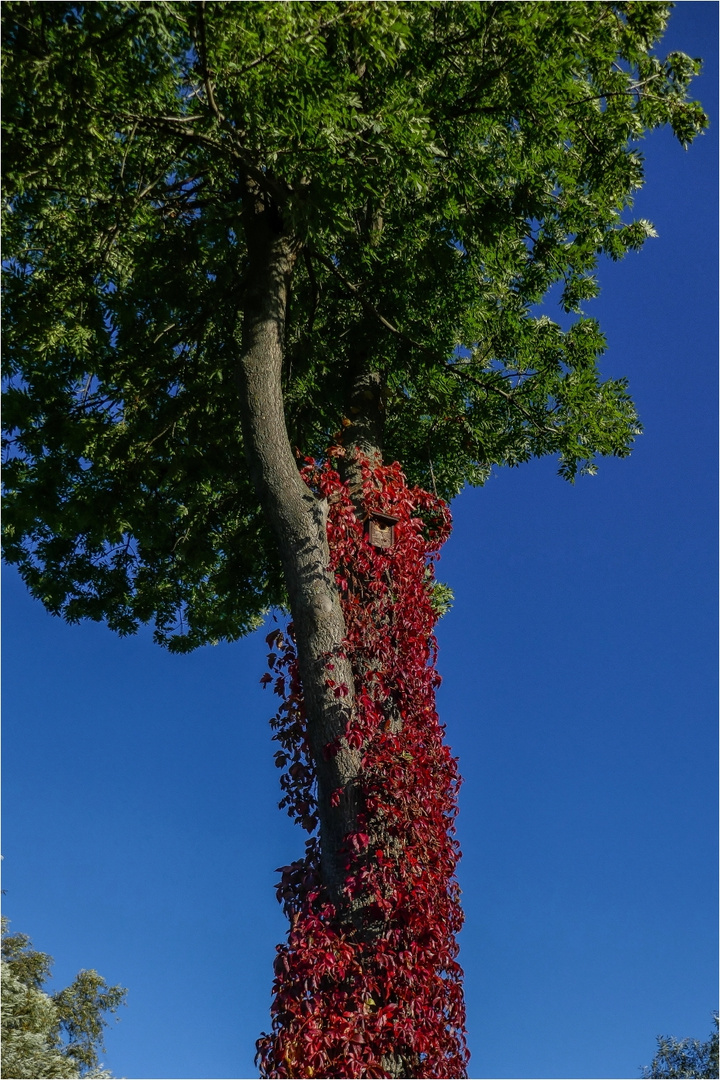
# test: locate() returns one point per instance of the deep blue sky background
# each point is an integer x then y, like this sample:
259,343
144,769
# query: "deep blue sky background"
141,822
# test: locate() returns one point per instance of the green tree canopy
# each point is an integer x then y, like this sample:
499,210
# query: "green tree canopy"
439,167
51,1035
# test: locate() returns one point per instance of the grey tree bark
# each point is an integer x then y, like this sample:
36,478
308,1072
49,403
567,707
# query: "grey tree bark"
298,520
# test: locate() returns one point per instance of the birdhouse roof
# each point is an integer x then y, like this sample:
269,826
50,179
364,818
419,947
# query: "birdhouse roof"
383,519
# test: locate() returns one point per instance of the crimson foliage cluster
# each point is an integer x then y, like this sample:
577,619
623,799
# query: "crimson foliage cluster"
358,988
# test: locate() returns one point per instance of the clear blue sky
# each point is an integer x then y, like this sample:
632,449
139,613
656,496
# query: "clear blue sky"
141,822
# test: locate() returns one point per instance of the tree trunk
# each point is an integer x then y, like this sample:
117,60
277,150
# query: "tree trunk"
364,438
364,435
298,520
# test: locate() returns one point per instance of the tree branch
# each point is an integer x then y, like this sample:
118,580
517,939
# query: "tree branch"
452,369
368,306
236,152
508,395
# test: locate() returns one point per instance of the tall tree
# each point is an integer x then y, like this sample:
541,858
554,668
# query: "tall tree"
51,1035
256,253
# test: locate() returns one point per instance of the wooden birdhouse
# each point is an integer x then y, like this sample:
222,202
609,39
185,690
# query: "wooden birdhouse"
381,529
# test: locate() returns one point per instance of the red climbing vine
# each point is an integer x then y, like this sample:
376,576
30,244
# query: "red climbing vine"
365,1000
